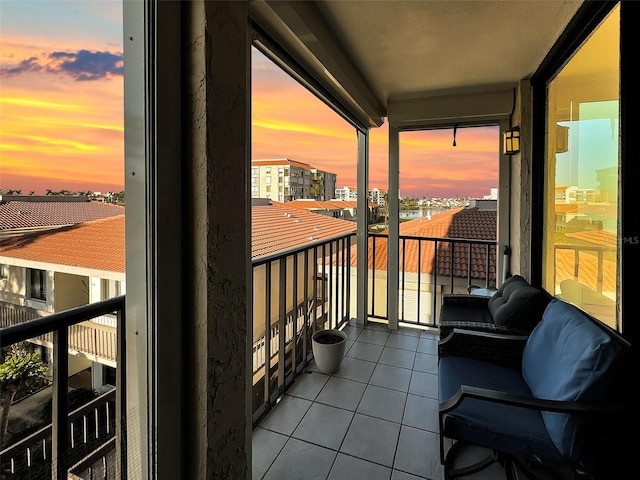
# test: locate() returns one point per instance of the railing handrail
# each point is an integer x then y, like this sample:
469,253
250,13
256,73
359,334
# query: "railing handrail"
39,326
440,239
592,248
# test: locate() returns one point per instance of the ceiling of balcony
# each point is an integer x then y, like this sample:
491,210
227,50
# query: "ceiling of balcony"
388,50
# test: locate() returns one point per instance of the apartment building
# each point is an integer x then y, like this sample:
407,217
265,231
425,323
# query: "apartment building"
375,195
284,180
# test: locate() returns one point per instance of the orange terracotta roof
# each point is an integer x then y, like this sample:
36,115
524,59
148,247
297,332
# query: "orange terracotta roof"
280,161
279,227
603,238
100,244
97,244
566,207
307,204
326,204
17,214
468,223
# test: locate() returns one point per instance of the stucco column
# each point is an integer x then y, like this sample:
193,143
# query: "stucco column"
216,74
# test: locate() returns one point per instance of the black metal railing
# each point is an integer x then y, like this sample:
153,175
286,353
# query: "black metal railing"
94,340
91,427
58,451
429,268
585,276
298,293
598,252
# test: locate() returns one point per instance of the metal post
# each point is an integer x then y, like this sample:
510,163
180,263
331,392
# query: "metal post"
60,406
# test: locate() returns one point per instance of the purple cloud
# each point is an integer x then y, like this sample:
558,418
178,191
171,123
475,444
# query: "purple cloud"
82,65
86,65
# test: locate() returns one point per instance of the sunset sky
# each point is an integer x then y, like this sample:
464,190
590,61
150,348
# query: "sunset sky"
61,114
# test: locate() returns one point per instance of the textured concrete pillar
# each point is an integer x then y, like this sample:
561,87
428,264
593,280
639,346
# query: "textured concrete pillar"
521,186
216,66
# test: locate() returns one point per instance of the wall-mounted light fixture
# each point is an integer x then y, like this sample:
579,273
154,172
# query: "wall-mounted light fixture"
511,141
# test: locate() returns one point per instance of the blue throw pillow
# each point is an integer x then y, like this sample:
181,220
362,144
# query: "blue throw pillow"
567,357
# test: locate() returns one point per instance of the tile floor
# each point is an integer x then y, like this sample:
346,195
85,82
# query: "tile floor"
376,418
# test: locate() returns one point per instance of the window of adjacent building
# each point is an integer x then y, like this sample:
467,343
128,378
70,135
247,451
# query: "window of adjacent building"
37,284
581,240
110,289
4,272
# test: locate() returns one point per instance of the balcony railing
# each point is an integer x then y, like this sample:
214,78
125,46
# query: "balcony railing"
429,268
95,340
59,449
298,292
585,275
90,428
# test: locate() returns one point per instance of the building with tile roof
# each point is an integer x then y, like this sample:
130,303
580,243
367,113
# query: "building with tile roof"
277,227
56,269
53,270
457,223
425,269
344,209
21,214
92,248
283,179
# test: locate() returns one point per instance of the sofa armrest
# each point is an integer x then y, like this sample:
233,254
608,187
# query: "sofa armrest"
447,326
541,404
498,348
465,299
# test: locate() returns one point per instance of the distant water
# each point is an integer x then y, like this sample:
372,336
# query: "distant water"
420,213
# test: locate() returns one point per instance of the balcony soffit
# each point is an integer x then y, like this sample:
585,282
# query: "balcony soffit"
384,51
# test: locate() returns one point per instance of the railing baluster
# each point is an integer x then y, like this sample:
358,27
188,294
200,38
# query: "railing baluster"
347,273
282,327
373,276
315,290
469,265
305,327
60,406
267,333
419,288
294,334
325,314
330,286
452,267
434,274
488,266
404,269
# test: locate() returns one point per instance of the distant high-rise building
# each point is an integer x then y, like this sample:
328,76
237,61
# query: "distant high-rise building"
284,180
346,193
493,195
375,195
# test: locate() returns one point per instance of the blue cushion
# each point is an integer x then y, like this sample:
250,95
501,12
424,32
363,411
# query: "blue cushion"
567,357
513,430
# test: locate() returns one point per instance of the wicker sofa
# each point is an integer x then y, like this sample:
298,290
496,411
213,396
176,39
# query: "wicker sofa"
515,308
